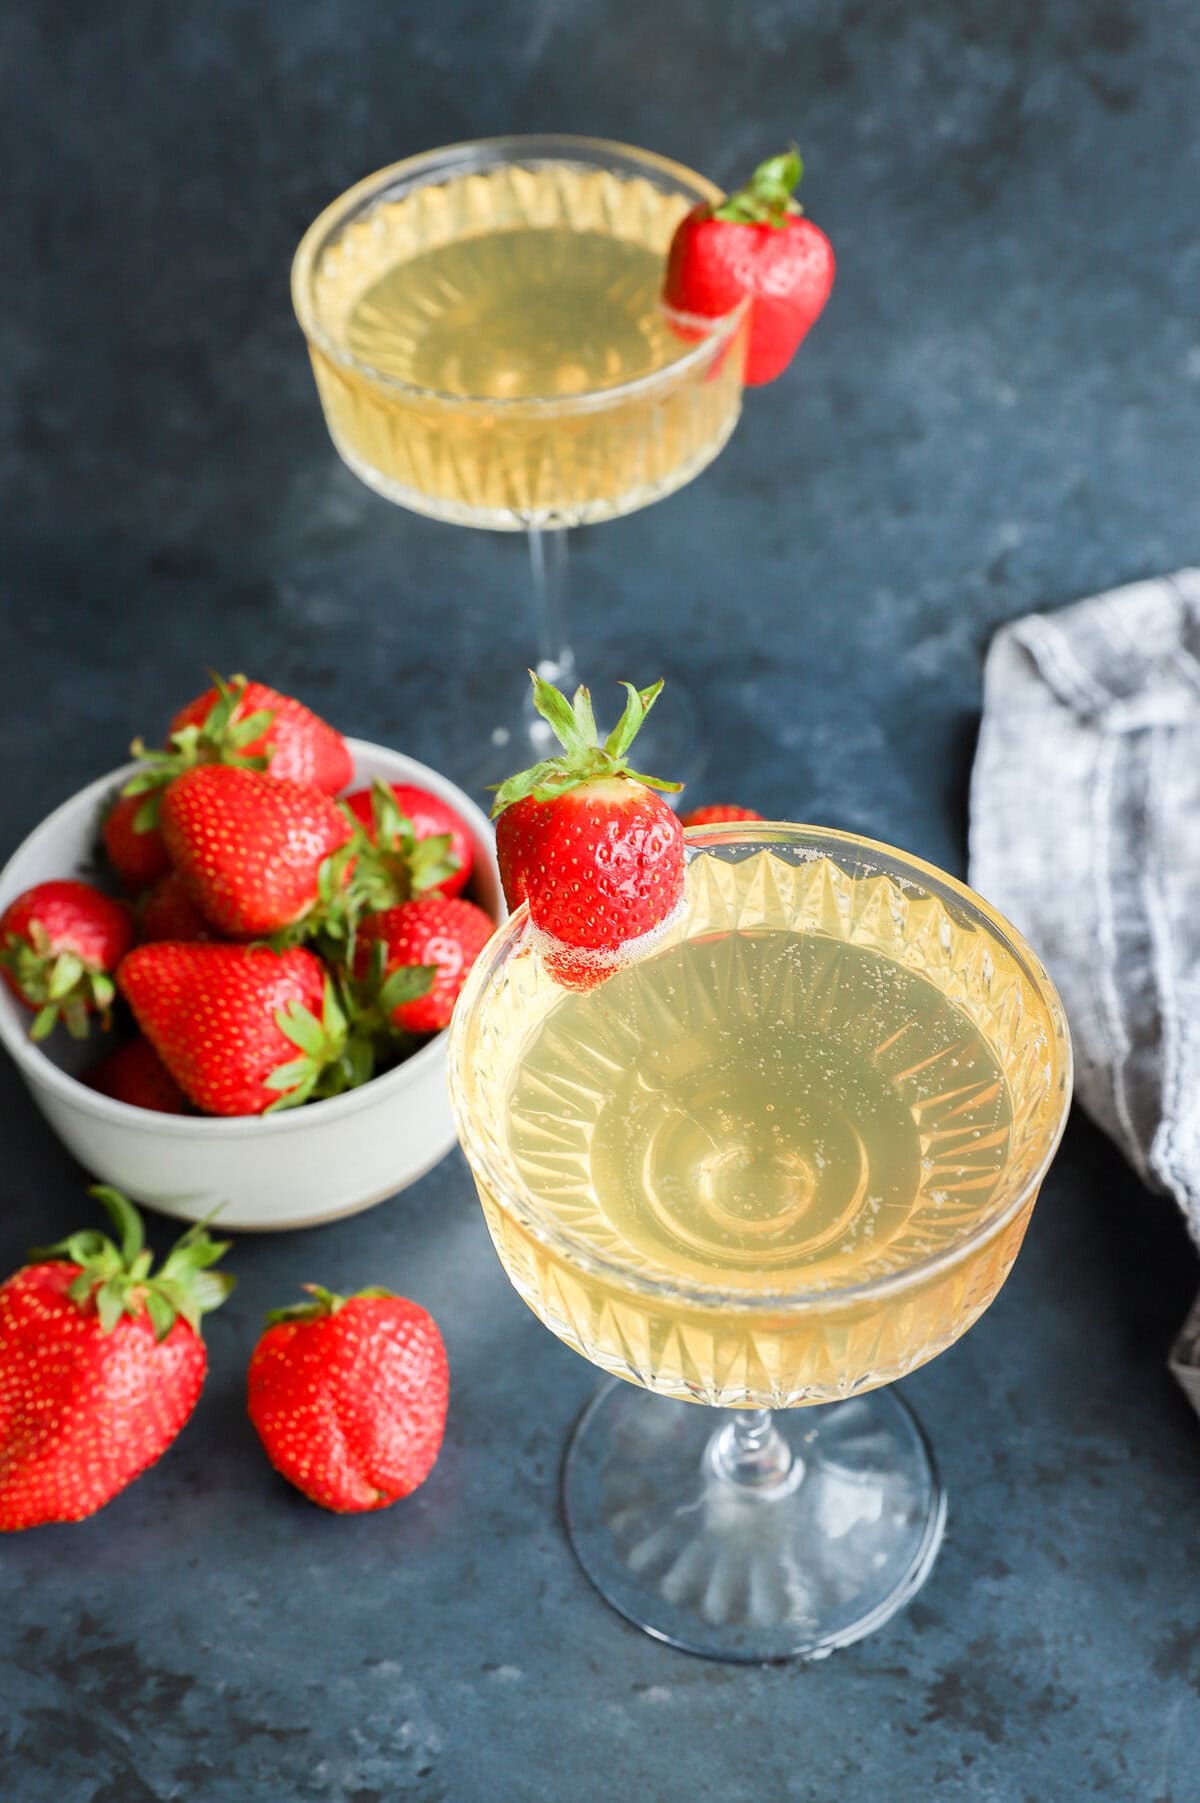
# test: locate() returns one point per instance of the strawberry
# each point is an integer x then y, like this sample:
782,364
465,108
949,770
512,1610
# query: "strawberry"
135,1074
134,843
756,243
242,1029
59,944
420,826
168,912
245,725
348,1395
101,1363
718,814
299,745
251,847
584,840
435,937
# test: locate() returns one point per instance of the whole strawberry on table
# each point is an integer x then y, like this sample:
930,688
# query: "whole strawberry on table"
293,942
101,1364
348,1395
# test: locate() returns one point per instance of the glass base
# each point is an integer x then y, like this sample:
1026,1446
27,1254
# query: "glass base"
810,1540
669,744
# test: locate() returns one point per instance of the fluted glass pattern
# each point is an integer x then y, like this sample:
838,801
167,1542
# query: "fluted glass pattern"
488,340
821,1312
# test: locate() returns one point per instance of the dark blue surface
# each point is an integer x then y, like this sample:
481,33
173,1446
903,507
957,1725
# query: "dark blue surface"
1000,410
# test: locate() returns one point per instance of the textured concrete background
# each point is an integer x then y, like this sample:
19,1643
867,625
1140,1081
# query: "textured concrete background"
1000,410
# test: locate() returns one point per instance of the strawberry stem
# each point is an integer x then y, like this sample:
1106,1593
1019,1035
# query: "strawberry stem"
324,1302
219,739
322,1044
59,985
118,1279
583,759
768,198
368,1002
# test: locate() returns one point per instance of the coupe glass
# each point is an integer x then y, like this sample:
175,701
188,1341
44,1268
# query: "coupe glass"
489,348
767,1244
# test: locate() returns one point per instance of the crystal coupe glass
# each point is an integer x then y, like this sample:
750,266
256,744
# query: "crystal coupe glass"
781,1159
490,348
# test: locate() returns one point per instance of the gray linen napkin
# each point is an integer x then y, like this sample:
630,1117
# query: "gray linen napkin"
1085,830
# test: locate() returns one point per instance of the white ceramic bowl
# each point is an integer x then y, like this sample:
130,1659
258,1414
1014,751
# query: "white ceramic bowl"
292,1169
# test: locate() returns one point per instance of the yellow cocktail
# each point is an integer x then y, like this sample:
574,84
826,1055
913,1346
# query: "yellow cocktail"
784,1158
490,347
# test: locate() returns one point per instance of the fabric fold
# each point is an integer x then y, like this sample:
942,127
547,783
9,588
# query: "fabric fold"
1085,830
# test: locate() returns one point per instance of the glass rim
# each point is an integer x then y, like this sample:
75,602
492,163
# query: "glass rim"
761,835
532,147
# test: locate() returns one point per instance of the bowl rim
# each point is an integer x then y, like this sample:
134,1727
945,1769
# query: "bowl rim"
43,1073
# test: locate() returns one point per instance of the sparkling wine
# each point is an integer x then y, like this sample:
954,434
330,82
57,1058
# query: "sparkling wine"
484,333
760,1111
771,1161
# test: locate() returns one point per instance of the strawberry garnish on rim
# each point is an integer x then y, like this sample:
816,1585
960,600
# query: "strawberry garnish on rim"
586,841
756,243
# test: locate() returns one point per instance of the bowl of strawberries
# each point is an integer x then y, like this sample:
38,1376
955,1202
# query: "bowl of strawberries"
227,966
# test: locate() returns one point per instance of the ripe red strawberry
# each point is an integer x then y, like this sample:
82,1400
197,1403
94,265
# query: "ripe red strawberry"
297,743
246,726
348,1395
169,912
423,828
250,847
134,843
101,1363
59,943
135,1074
585,840
755,243
418,955
718,814
242,1029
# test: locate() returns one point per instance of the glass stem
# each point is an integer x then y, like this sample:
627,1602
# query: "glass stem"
548,569
749,1452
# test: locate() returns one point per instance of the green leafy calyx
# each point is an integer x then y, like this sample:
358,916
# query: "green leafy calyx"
218,739
376,868
768,198
324,1302
117,1278
584,758
373,995
392,865
330,1058
58,984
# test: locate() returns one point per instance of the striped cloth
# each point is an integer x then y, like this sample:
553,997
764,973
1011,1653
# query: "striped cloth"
1085,831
